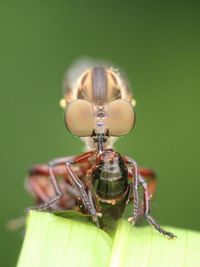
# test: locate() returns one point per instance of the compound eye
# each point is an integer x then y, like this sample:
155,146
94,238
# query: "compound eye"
79,118
121,117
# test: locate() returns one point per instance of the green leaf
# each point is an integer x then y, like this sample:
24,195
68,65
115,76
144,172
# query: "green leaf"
53,241
143,246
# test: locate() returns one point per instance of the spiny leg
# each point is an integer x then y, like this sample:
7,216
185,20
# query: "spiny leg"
148,217
95,219
50,172
41,172
41,188
133,219
86,197
54,182
56,186
40,194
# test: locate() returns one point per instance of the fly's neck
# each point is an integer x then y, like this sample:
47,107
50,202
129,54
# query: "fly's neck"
101,142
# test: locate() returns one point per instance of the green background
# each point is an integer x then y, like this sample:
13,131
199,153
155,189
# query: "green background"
156,43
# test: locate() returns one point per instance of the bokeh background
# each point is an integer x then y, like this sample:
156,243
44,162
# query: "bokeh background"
157,43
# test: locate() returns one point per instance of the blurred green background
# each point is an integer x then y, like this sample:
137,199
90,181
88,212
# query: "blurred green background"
157,43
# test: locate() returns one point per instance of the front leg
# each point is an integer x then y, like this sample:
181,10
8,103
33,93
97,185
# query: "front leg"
134,169
85,197
59,162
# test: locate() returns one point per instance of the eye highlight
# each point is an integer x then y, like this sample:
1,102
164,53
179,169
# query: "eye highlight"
79,118
121,117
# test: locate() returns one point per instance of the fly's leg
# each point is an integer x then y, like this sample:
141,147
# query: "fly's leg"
40,187
85,197
73,179
55,185
41,195
134,169
50,202
149,176
148,217
152,221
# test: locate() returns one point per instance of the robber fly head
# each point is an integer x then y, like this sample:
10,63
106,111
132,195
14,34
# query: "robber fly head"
98,105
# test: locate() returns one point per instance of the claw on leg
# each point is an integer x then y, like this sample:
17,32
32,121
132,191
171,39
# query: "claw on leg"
152,222
132,220
99,214
95,220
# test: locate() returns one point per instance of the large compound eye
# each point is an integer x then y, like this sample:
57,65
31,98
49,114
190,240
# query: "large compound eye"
121,117
79,118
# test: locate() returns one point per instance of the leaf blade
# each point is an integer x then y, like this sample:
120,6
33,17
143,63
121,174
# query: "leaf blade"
56,242
143,246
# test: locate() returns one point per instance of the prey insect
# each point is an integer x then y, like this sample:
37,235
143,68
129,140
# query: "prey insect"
100,182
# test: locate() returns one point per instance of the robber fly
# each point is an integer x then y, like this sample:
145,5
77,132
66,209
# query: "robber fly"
99,107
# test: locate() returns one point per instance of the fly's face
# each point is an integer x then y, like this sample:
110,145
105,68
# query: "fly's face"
99,105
